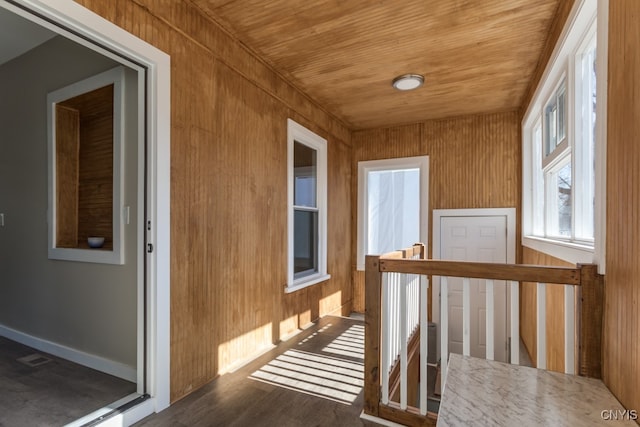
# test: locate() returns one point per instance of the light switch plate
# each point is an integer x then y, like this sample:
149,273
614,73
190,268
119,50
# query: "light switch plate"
126,214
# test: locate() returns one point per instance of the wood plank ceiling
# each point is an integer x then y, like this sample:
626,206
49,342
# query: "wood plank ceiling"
477,55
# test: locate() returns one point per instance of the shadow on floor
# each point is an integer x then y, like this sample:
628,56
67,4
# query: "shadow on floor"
314,379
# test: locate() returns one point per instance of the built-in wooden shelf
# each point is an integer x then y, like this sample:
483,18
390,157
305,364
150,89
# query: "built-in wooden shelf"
85,166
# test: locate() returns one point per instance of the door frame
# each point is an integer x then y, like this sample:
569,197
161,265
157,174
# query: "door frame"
395,163
438,214
89,29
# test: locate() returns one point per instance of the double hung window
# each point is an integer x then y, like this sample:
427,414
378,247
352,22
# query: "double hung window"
559,149
307,218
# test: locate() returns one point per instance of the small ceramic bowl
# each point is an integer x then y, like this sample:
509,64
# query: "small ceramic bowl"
95,242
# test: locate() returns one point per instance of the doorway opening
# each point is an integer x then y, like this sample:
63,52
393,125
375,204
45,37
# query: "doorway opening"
107,316
393,200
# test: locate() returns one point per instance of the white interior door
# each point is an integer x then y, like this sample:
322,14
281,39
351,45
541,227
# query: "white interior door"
476,238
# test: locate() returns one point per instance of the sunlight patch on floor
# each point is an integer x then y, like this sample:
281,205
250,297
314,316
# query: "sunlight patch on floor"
326,376
350,343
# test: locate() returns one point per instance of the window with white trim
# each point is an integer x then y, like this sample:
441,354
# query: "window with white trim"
307,213
559,141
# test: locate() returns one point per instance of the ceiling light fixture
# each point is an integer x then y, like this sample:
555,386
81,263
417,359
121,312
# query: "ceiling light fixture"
408,81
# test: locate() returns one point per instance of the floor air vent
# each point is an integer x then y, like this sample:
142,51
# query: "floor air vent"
34,360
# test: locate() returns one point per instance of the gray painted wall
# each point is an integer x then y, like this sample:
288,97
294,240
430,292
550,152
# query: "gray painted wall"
86,306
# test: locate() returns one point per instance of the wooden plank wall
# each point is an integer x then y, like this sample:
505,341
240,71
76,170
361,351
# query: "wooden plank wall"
621,342
555,312
67,153
229,194
95,172
474,162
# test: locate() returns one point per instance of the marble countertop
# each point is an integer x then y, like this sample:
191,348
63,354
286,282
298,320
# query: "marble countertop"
487,393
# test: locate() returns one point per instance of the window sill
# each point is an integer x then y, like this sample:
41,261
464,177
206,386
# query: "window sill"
99,256
567,251
305,282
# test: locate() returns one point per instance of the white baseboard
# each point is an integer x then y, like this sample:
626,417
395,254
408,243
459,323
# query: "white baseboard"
98,363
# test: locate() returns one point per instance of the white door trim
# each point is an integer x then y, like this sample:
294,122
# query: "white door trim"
396,163
438,214
89,28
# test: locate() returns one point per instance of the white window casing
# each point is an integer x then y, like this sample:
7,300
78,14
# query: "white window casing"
297,133
569,66
114,77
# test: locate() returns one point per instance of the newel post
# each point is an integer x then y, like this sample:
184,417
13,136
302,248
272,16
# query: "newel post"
423,251
591,313
372,314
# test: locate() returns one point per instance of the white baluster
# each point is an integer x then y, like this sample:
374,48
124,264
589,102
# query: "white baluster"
424,342
394,318
490,318
444,330
410,304
416,299
466,317
515,323
403,342
541,321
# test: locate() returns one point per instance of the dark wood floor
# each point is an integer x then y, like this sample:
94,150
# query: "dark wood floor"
313,379
53,393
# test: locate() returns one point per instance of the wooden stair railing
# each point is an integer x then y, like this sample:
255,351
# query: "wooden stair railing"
584,278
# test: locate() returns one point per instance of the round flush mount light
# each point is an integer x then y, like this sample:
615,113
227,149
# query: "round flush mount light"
408,82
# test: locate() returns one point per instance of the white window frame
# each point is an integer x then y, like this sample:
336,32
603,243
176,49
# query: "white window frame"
364,167
561,66
560,149
582,160
551,187
302,135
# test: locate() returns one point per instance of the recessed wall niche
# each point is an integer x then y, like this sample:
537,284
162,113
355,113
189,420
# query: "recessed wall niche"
85,121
